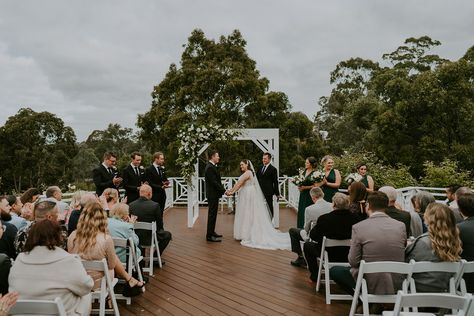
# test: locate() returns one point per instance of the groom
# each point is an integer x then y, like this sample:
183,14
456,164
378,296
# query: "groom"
267,177
214,190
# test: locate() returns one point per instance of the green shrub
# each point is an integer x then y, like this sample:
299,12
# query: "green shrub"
398,176
444,174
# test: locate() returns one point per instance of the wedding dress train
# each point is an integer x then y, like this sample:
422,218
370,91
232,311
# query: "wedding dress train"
253,224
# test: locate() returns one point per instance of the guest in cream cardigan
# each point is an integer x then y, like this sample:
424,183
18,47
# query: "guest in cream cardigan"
46,271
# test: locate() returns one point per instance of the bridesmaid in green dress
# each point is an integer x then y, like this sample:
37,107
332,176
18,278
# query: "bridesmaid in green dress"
333,178
367,180
305,198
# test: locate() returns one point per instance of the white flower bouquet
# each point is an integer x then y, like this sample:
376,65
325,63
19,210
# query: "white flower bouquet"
353,177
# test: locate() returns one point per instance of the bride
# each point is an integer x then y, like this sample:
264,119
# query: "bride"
253,224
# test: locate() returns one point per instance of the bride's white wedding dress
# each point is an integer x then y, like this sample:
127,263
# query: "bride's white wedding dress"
252,224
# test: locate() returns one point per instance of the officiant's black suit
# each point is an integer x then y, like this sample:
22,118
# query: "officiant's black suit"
131,182
103,179
268,181
214,190
156,180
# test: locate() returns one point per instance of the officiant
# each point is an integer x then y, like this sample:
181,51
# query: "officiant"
267,177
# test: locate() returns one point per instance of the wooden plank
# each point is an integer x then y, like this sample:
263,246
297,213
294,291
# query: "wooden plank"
202,278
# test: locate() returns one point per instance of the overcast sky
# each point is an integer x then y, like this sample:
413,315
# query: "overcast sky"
95,62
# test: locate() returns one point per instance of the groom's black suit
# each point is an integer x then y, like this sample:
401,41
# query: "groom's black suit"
214,190
268,181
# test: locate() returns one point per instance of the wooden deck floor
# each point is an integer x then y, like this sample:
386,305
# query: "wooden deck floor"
201,278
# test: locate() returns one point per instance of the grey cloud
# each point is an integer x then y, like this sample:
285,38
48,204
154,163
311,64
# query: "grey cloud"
93,63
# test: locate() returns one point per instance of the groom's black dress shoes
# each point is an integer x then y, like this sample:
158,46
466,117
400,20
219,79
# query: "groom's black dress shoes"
213,239
217,235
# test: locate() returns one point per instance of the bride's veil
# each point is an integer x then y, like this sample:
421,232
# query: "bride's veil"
258,189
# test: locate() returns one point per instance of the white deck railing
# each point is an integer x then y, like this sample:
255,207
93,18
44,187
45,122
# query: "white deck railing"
177,194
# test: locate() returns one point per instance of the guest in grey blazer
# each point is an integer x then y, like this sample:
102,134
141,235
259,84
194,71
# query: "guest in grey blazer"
378,238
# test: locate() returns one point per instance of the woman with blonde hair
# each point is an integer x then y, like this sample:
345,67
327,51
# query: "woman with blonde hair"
332,178
111,196
92,241
440,243
120,225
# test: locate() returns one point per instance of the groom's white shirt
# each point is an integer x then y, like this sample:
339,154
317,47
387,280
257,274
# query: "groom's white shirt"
212,163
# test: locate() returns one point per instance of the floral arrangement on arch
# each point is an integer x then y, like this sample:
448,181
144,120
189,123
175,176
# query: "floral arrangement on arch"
191,139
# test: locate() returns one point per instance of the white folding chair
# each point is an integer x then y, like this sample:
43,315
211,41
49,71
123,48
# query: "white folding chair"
427,266
361,291
440,300
38,307
106,286
132,263
153,247
325,265
467,267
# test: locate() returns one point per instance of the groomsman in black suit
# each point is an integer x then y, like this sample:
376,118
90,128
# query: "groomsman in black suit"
133,177
267,177
106,175
156,178
214,190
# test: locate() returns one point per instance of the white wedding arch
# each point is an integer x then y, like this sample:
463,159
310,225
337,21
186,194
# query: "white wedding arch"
267,139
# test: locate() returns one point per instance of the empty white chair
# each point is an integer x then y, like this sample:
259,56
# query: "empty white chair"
106,286
467,267
361,292
38,307
325,265
153,246
439,300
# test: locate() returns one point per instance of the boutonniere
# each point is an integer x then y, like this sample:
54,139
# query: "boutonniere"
141,168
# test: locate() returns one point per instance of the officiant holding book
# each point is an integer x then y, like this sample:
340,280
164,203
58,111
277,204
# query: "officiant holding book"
267,177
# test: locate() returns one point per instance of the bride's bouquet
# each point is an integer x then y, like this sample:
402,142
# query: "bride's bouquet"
312,178
353,177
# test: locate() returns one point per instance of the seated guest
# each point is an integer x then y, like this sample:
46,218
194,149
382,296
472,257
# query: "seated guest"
422,200
466,233
454,204
7,240
357,197
5,264
54,192
111,196
15,212
394,212
74,218
91,241
451,194
334,225
121,226
45,271
28,200
440,243
149,211
44,210
311,215
378,238
75,204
